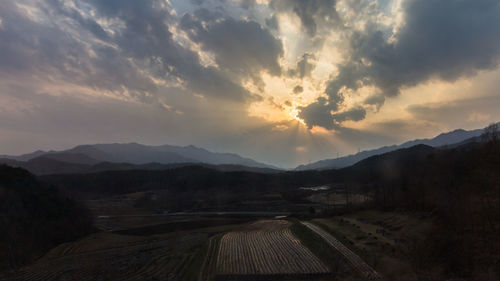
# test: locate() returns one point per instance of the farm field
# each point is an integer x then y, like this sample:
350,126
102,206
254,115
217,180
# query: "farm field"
107,256
191,248
266,248
364,269
171,255
382,239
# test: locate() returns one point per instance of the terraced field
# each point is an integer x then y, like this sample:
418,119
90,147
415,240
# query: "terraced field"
266,248
382,239
363,268
261,250
106,256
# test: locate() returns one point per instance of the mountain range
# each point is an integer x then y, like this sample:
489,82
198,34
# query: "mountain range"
445,139
116,156
133,156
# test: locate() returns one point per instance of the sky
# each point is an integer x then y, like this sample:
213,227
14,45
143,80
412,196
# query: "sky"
284,82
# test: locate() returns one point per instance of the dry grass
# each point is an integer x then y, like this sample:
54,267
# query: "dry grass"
382,239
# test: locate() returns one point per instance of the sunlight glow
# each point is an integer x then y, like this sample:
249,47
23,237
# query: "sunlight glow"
294,113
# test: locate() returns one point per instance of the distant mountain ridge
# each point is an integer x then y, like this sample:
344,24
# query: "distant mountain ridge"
139,154
127,156
47,166
449,138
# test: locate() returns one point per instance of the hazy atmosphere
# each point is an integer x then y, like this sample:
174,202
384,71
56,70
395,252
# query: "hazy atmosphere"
282,82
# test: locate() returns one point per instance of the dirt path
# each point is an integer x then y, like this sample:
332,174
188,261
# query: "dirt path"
363,268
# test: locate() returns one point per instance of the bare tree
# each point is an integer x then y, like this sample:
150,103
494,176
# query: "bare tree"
491,133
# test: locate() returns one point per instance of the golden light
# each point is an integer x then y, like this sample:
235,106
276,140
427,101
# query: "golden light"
294,114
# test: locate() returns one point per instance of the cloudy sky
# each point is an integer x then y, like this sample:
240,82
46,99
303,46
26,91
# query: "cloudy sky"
282,81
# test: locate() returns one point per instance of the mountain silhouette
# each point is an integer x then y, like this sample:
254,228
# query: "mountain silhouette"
138,154
445,139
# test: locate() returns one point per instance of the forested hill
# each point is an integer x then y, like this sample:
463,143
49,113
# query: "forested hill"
34,217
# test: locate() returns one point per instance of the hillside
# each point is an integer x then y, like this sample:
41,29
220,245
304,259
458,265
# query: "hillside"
444,139
34,218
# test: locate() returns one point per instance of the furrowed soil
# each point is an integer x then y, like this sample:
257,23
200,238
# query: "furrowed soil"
267,250
174,255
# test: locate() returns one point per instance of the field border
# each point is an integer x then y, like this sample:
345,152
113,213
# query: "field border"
368,258
208,267
320,248
355,261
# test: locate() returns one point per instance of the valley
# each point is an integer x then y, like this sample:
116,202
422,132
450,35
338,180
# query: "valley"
384,218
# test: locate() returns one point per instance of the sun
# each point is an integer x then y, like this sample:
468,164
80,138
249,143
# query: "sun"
294,114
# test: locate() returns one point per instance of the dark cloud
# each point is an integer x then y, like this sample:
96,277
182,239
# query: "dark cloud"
356,113
311,12
317,114
272,22
147,37
197,2
57,10
377,100
239,46
78,50
247,4
304,67
298,89
445,40
53,52
321,114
